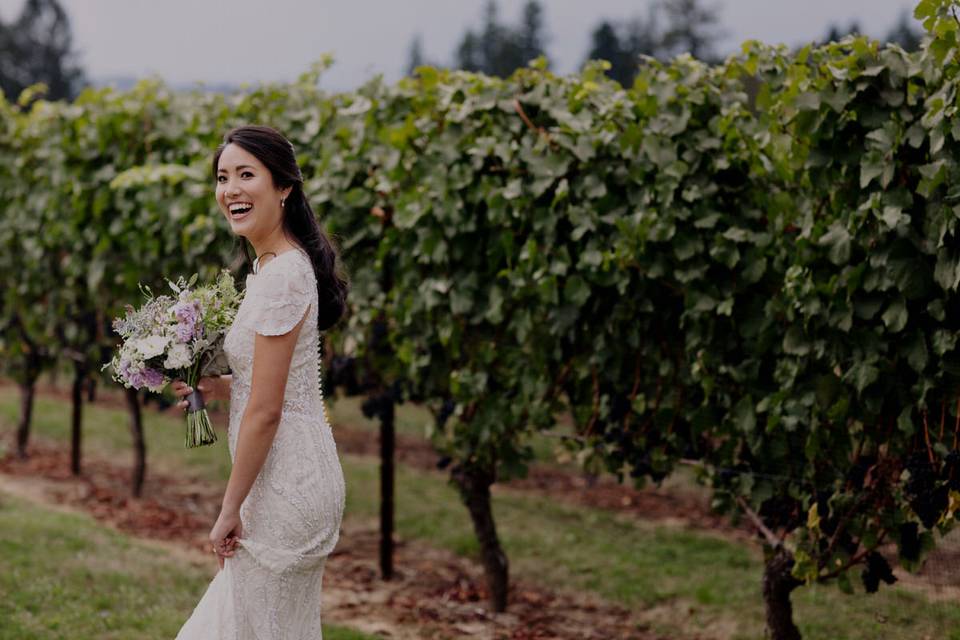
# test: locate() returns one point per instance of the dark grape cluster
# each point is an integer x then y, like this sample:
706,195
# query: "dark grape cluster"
446,410
619,407
931,505
910,541
878,569
922,476
619,436
343,373
378,334
640,468
640,465
857,474
927,497
377,405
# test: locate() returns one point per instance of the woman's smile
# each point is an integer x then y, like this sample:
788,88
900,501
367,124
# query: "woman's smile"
240,210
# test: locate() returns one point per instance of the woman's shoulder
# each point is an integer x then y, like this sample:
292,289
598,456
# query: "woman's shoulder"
288,275
278,294
291,260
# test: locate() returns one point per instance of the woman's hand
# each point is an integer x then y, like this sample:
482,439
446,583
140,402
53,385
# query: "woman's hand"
212,388
224,535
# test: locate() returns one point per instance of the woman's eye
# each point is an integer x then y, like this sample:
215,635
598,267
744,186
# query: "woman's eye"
221,178
246,173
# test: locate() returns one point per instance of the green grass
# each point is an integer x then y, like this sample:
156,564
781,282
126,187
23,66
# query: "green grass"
62,575
410,420
415,421
684,582
107,431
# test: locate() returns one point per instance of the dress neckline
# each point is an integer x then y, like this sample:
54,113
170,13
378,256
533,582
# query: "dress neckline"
257,269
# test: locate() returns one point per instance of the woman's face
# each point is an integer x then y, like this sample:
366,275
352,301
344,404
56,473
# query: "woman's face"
246,193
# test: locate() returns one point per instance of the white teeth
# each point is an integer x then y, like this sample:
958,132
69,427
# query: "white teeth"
240,207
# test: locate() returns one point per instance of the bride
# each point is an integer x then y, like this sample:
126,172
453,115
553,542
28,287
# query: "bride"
281,511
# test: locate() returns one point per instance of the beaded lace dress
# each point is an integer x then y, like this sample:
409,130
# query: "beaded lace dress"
270,589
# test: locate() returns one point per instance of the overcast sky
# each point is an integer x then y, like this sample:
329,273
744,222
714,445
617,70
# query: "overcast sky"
216,41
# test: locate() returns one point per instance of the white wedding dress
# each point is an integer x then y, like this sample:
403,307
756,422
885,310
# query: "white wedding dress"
270,589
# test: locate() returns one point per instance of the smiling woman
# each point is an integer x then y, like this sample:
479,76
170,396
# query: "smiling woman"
259,190
283,503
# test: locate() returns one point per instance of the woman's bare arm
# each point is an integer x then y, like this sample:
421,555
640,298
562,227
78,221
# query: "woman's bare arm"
271,367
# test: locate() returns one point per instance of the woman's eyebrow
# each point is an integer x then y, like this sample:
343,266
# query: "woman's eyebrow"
238,167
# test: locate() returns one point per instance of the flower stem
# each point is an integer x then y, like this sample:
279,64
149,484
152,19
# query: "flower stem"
199,430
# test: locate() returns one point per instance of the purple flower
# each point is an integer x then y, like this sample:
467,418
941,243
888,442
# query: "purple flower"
187,314
132,375
139,377
152,377
186,311
135,378
184,332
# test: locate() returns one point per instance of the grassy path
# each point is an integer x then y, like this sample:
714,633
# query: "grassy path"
63,576
683,583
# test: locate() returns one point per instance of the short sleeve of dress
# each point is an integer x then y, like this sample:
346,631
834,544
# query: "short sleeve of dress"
280,296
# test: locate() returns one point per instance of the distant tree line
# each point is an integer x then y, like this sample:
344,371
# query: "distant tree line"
903,33
669,28
496,49
38,47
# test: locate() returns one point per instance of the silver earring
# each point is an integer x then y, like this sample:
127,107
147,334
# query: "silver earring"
281,201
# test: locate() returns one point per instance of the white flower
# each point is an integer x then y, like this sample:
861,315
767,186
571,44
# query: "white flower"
178,357
151,346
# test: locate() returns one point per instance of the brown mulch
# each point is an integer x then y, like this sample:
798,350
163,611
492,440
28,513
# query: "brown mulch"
685,508
436,592
170,508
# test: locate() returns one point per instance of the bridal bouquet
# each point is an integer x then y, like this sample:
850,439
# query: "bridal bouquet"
178,336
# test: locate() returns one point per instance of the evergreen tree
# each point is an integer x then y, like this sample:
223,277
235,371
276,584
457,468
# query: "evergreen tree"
416,55
469,56
836,33
492,41
38,47
691,28
531,38
605,45
622,45
905,34
643,38
499,50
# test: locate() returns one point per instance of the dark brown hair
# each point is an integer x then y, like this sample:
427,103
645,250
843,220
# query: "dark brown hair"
277,154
